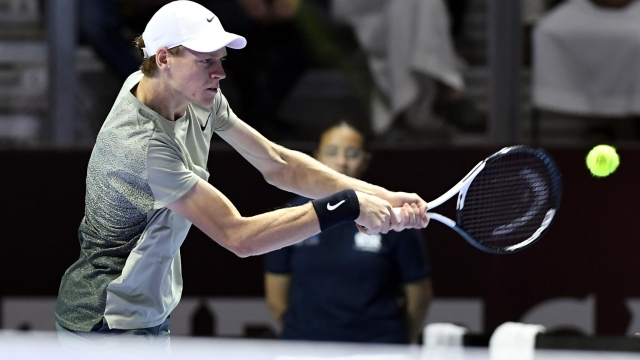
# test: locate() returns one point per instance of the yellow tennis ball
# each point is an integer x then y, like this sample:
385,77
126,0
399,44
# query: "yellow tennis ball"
603,160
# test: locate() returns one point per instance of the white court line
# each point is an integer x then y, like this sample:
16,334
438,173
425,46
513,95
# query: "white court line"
44,345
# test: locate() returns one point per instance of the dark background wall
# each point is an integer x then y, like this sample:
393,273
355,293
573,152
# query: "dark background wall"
592,247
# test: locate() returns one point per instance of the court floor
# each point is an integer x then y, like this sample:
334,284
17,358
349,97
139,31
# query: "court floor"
44,345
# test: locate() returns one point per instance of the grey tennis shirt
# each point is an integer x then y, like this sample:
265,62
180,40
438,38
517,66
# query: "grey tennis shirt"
129,267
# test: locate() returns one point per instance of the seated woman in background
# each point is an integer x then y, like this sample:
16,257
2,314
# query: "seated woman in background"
344,285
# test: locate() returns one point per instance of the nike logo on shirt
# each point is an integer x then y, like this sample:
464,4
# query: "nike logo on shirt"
210,20
333,207
205,124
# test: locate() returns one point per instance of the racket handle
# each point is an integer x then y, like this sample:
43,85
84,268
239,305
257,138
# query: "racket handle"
397,213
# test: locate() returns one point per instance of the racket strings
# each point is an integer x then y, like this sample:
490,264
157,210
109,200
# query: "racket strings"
507,203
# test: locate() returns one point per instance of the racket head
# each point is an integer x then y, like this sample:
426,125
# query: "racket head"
511,202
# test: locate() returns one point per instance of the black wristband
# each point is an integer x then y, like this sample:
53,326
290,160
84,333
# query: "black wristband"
337,209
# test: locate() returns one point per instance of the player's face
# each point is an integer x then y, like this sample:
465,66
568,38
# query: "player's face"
342,149
196,76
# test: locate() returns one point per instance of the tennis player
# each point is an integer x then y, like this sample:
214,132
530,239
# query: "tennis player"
147,183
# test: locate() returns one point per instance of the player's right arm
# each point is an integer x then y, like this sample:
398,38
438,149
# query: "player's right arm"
212,212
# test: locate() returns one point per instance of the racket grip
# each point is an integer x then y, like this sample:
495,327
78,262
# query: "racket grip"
397,213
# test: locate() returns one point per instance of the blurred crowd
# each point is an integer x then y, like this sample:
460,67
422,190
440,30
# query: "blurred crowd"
403,62
405,75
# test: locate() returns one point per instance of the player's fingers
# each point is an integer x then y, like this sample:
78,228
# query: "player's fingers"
425,220
423,214
407,216
375,221
397,219
414,216
387,221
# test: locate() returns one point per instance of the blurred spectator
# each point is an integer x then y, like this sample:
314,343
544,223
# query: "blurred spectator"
586,63
458,10
344,285
269,67
417,75
109,27
261,75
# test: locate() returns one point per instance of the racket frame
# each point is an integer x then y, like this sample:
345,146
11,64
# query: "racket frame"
461,187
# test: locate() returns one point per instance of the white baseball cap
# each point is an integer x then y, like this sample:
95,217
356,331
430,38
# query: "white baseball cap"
188,24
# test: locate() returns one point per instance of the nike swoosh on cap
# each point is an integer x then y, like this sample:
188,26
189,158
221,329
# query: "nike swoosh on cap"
333,207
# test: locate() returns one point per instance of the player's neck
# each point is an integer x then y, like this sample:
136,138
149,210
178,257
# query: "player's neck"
159,97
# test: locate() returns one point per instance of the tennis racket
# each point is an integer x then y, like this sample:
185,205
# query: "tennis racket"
506,202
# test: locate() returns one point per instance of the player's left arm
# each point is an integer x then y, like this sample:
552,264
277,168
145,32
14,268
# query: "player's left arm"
292,170
301,174
418,296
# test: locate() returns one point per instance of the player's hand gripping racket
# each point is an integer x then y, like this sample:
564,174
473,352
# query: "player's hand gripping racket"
507,201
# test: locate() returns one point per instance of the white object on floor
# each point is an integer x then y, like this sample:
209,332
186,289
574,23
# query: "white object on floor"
443,334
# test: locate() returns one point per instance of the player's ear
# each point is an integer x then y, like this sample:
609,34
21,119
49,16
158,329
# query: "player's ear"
161,57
